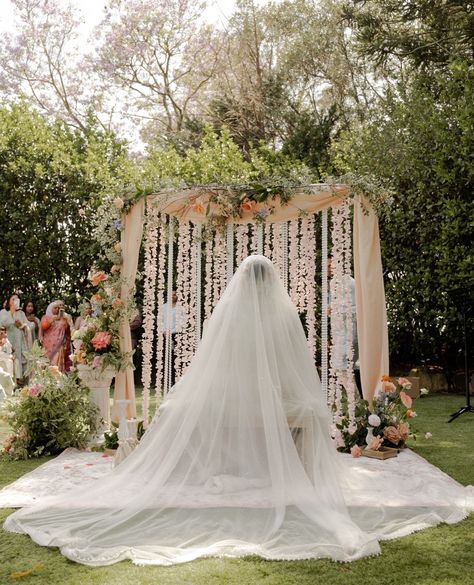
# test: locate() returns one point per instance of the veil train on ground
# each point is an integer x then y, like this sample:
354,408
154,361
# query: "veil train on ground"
238,460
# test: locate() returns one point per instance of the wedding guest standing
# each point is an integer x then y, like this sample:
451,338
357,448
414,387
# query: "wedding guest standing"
86,312
7,365
15,322
56,327
32,320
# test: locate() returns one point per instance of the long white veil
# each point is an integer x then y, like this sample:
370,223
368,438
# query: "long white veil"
238,461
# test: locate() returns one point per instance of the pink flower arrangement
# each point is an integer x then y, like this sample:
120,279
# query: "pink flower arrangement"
101,340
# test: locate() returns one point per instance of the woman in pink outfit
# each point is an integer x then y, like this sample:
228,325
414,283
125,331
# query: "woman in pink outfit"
56,328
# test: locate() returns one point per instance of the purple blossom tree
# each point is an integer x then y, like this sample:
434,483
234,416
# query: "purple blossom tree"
162,55
43,60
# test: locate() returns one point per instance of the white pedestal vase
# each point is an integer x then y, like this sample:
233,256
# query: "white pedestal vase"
127,441
98,381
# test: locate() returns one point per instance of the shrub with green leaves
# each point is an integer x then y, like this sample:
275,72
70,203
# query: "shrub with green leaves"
50,414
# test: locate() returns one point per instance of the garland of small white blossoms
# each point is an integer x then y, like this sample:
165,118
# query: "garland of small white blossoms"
242,243
278,249
160,300
182,349
229,252
208,278
220,270
350,385
300,284
341,350
169,291
308,276
196,284
268,241
286,261
259,230
324,304
149,283
293,244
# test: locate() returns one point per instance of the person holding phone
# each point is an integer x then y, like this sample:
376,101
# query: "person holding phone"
57,327
15,323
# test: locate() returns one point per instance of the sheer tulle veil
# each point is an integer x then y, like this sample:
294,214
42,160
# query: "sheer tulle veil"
237,461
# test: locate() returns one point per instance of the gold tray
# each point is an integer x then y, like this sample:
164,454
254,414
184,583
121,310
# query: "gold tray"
382,453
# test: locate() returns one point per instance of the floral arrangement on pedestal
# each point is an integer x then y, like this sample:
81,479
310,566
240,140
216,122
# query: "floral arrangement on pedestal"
386,423
97,342
50,414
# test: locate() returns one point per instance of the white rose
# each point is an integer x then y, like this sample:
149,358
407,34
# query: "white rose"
374,420
118,202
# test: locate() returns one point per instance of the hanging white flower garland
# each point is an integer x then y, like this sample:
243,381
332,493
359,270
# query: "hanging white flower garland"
341,377
149,284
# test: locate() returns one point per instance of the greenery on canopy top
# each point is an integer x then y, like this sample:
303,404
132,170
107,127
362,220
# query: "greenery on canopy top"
218,160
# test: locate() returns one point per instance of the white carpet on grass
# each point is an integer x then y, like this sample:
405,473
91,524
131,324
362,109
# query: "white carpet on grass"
405,482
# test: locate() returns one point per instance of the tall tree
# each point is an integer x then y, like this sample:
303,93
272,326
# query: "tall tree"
52,180
421,144
160,54
426,33
44,61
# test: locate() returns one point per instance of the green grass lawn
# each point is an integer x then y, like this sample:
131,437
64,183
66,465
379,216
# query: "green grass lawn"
443,555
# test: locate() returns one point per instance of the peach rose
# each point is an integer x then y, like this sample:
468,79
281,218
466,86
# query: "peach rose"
356,451
403,431
410,413
248,204
388,387
375,444
97,298
118,247
98,277
385,378
117,303
101,340
406,400
392,434
115,268
198,207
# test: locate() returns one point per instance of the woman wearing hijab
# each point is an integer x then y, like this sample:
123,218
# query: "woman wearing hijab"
18,333
56,329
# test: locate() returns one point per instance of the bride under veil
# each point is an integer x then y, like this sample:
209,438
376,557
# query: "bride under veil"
238,460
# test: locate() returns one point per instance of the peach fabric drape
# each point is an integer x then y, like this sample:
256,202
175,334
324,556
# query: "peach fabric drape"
371,310
131,238
370,294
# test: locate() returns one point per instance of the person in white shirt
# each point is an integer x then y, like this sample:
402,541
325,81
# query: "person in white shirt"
173,320
7,366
